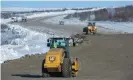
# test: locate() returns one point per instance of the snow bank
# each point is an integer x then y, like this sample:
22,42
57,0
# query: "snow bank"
61,13
20,9
51,13
21,41
4,21
117,26
43,14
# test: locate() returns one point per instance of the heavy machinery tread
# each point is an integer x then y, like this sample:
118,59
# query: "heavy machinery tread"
86,32
66,68
44,70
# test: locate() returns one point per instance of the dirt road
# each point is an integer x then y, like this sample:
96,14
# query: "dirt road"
102,57
39,25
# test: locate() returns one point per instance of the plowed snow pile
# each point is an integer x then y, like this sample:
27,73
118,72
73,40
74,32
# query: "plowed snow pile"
17,41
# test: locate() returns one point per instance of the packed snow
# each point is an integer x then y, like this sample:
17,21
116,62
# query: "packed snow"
21,41
4,21
116,26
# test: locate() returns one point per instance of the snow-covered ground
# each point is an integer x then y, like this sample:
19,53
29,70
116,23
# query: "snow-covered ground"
59,13
4,21
43,14
116,26
17,41
21,9
21,41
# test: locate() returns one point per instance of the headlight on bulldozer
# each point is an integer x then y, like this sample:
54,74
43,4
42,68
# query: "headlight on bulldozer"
51,58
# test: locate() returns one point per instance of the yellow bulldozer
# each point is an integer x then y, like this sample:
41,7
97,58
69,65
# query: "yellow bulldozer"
57,60
90,28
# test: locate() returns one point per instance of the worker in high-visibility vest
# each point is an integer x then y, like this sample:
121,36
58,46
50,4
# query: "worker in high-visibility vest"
59,46
55,45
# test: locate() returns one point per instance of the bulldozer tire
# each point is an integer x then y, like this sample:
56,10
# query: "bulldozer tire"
74,44
86,32
66,68
44,70
94,33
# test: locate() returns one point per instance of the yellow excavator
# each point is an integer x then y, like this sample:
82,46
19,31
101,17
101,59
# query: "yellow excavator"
90,28
57,60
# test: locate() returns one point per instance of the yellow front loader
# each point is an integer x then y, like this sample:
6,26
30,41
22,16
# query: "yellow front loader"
91,28
57,60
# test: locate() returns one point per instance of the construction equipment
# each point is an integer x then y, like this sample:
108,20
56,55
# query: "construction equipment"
91,28
61,22
14,19
24,18
57,60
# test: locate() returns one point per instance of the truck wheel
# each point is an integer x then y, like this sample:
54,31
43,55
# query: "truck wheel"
44,70
66,68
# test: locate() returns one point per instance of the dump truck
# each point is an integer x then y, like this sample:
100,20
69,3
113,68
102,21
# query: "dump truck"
61,22
14,19
57,60
24,18
90,28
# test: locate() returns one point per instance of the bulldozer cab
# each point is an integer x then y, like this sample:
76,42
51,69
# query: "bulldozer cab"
60,43
56,62
91,24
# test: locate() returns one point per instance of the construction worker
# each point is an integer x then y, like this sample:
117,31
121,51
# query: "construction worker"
59,46
54,44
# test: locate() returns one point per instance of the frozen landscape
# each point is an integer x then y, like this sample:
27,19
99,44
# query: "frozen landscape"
116,26
106,55
17,41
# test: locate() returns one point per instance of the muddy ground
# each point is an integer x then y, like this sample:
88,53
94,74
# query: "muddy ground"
102,57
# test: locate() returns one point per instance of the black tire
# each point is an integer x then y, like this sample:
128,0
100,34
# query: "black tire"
74,44
86,32
44,75
44,70
94,33
66,68
85,29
